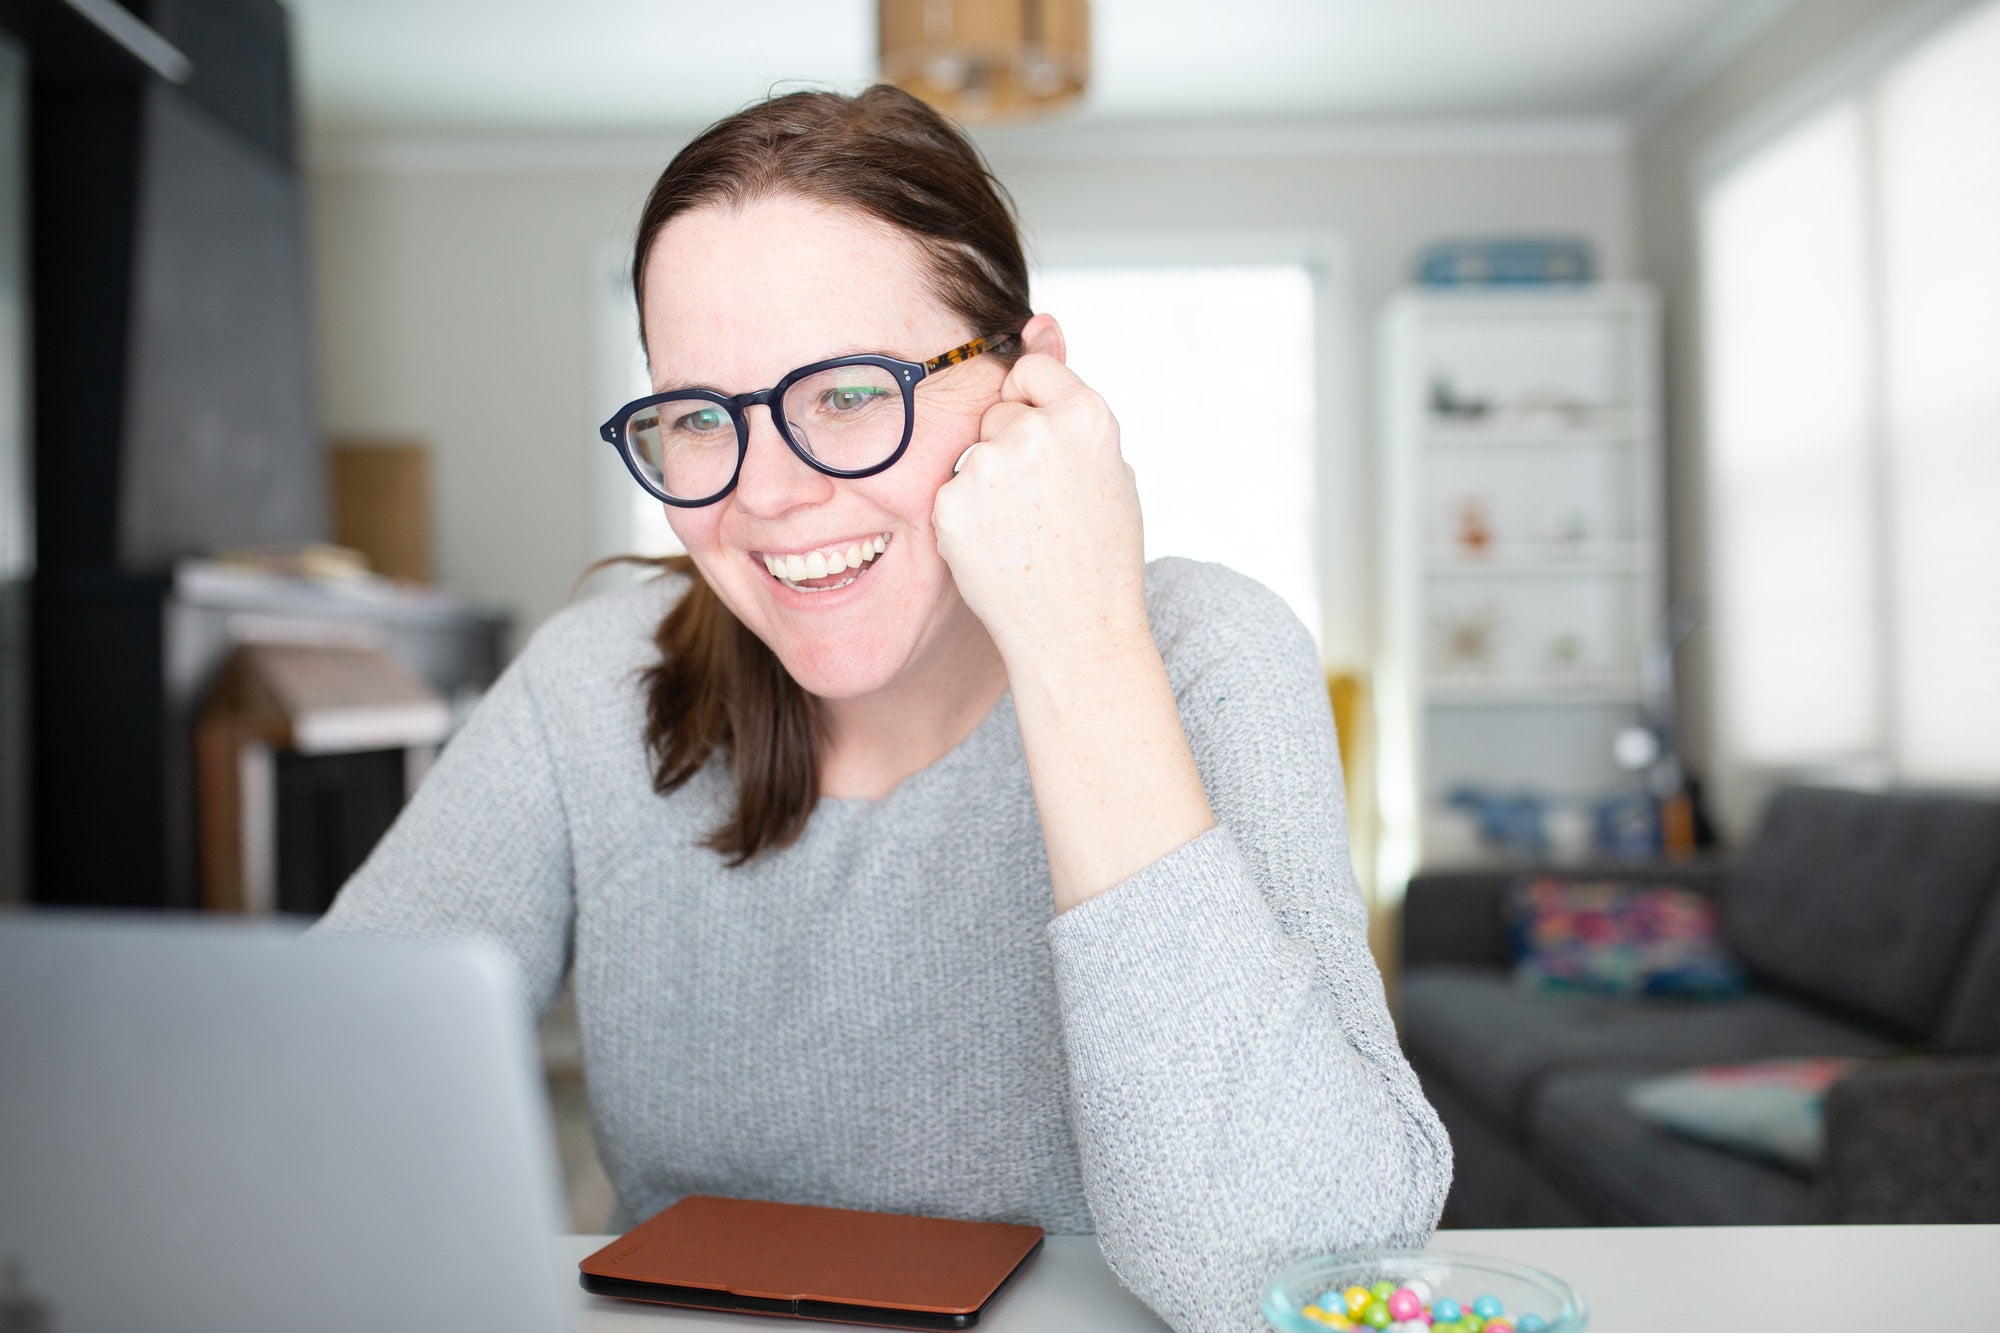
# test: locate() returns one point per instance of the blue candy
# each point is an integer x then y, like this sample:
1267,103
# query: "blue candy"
1531,1323
1487,1307
1445,1312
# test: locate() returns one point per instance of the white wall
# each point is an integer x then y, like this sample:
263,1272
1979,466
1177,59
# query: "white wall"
454,287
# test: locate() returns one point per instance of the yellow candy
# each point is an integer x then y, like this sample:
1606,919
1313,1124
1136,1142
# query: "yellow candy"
1319,1316
1357,1299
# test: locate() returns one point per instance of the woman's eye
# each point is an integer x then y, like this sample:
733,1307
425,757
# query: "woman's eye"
850,400
701,422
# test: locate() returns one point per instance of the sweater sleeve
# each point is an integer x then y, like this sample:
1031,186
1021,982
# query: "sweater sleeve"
1239,1097
482,850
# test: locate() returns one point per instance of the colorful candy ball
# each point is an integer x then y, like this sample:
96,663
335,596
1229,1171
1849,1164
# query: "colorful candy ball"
1407,1307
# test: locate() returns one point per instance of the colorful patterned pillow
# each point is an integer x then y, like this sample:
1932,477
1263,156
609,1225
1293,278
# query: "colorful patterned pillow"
1603,937
1773,1110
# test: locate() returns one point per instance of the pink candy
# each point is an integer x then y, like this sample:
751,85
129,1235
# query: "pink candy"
1403,1304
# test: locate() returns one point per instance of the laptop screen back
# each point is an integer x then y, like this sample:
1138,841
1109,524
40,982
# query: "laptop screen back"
226,1127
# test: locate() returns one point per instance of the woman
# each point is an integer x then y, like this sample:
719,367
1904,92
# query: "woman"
916,846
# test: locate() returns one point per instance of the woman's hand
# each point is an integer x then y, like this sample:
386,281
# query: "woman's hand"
1041,525
1041,530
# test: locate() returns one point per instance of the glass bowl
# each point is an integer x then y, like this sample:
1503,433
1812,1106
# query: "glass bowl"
1459,1277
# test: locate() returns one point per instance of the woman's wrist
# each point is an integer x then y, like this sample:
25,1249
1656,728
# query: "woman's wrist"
1115,783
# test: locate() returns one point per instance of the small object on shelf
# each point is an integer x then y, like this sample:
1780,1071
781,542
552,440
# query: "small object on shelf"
1448,406
1628,827
1571,531
1507,261
1507,822
1566,651
1548,409
1475,526
1469,640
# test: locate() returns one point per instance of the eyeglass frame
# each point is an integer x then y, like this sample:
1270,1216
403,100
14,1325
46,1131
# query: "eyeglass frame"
907,375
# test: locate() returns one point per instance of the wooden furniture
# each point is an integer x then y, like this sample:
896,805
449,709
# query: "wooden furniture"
342,702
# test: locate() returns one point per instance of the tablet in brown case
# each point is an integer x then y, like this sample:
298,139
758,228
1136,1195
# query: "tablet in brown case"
802,1262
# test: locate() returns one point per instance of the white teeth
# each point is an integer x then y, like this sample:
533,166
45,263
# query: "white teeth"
824,563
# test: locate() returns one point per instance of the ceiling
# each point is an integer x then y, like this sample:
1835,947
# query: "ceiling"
427,66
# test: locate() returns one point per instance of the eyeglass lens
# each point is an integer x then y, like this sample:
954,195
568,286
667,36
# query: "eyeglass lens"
848,418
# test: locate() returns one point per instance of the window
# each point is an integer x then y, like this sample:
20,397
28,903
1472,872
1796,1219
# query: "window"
1210,372
1852,294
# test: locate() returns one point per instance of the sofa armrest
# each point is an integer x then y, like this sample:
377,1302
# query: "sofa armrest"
1914,1140
1460,916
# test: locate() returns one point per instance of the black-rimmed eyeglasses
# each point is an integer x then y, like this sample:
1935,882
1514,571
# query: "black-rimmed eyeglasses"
851,416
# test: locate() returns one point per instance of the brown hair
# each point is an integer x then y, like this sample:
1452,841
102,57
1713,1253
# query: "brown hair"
888,156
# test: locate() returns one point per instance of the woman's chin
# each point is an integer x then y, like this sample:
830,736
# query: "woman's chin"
837,672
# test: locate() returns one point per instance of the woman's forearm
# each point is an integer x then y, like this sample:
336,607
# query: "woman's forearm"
1114,780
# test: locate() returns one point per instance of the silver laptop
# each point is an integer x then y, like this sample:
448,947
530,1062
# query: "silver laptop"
230,1128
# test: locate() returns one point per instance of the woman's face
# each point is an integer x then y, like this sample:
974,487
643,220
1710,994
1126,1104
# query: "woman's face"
737,297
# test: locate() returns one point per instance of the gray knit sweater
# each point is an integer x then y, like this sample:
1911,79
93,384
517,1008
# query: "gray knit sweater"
1196,1064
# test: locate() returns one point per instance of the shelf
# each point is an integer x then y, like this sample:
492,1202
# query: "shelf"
1506,437
1549,561
1541,691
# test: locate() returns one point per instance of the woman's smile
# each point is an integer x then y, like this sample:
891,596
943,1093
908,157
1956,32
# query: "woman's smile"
827,567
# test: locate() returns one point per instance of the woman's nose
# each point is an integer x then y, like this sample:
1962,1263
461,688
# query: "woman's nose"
774,479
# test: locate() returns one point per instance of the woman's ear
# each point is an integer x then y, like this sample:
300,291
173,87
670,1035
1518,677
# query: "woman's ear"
1042,334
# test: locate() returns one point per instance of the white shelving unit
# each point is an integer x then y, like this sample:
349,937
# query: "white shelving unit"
1523,560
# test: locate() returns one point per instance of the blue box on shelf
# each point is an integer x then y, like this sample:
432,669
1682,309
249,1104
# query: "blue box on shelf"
1528,261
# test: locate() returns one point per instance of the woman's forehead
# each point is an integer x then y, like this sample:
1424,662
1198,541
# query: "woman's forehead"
737,292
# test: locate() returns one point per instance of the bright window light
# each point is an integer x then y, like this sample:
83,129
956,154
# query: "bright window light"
1938,122
1789,465
1209,371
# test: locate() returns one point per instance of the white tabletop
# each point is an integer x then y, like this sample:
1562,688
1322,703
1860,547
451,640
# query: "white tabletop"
1635,1280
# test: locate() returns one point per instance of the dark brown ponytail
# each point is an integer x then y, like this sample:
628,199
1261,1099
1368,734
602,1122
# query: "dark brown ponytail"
888,156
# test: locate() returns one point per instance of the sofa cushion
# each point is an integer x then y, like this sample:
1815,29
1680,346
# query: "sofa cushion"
1469,1026
1582,1132
1769,1109
1971,1022
1612,937
1865,900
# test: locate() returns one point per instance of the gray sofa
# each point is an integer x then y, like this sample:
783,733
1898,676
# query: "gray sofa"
1870,925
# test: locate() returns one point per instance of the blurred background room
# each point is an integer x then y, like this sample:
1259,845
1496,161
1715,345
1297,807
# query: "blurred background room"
1617,402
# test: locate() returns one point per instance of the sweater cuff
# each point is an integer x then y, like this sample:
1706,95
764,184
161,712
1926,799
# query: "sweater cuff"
1192,926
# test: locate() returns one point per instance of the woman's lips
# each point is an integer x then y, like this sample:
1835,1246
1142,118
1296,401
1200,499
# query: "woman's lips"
825,568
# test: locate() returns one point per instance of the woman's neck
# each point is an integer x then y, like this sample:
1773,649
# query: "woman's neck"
876,741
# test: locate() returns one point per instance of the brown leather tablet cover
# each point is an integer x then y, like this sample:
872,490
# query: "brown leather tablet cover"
796,1252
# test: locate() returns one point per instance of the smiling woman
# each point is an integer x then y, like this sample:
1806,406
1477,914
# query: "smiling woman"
914,844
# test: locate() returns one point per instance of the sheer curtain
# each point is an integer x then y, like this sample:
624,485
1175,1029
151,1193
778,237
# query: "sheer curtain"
1851,282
